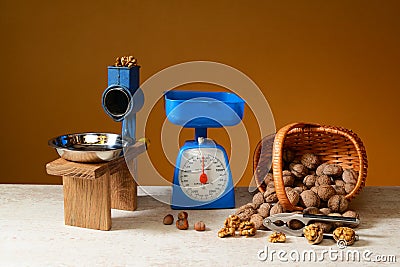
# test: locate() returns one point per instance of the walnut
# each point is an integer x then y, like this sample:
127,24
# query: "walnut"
309,199
271,185
277,237
325,226
345,233
325,192
340,190
311,210
314,189
269,191
293,196
325,211
349,176
258,199
320,169
310,161
257,219
338,203
339,182
288,178
295,224
352,214
247,228
323,180
245,212
313,233
232,221
309,180
298,170
268,178
349,187
333,170
225,232
273,198
299,189
277,208
264,209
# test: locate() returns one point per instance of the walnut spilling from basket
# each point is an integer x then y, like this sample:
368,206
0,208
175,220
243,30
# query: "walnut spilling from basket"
318,188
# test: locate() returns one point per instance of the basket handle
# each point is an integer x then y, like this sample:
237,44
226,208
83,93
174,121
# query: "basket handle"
277,163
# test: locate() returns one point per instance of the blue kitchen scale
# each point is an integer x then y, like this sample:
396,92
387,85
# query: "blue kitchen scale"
202,176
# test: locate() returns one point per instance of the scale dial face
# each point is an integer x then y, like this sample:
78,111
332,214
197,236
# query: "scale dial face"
203,174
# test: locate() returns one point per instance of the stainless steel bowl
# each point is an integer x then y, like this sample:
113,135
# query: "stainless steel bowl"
89,147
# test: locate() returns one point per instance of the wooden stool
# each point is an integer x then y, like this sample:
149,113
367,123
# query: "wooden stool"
91,190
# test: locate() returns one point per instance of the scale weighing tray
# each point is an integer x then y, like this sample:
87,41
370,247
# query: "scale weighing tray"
193,109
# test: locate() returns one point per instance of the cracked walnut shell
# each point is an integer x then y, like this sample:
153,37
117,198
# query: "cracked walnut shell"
277,237
313,233
345,233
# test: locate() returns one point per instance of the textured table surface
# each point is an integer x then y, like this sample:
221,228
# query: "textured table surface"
32,233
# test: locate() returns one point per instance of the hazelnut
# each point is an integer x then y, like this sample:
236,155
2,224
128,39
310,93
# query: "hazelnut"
257,219
293,196
258,199
182,224
277,237
264,209
320,169
325,211
311,210
298,170
325,192
323,180
313,233
349,176
182,215
309,180
345,233
309,199
199,226
333,170
277,208
338,203
349,187
310,161
168,219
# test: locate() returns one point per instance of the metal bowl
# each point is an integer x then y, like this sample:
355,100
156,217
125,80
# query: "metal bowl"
89,147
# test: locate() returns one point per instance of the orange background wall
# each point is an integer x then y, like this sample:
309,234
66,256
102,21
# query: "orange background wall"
332,62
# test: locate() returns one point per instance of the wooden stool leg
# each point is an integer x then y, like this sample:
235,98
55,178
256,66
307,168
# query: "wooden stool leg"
87,202
123,189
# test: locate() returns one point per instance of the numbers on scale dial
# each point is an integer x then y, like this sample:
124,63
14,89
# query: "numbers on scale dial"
194,185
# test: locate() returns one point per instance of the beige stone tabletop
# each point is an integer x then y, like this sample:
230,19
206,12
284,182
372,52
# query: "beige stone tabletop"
32,233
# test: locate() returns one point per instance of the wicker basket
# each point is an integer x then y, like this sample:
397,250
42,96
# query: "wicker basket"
330,144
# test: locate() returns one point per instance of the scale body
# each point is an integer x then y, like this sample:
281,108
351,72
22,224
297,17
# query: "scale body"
202,175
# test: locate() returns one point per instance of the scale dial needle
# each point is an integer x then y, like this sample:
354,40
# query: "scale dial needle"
203,176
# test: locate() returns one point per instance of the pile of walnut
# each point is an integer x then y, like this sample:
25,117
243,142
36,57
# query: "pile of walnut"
320,189
125,61
233,224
